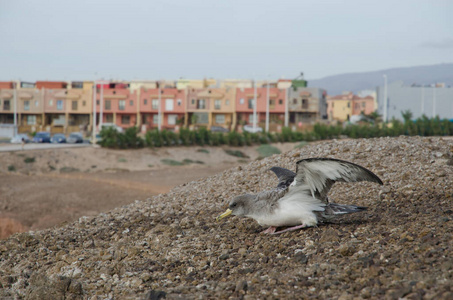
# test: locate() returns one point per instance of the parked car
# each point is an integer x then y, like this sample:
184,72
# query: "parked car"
75,137
108,125
249,128
218,129
17,139
41,137
58,138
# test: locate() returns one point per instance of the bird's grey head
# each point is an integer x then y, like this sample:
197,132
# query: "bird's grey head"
239,206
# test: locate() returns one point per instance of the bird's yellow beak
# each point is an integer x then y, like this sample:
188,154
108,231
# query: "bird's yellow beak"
225,214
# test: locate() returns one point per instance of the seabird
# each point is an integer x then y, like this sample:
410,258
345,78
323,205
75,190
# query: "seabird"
300,199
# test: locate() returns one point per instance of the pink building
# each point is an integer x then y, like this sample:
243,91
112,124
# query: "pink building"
244,106
120,105
172,107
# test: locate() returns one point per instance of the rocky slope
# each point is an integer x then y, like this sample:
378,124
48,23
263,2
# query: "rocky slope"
171,246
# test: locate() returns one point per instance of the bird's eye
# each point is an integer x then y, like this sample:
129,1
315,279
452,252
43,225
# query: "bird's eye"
234,204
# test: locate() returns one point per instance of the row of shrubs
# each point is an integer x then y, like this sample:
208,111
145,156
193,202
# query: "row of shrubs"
423,126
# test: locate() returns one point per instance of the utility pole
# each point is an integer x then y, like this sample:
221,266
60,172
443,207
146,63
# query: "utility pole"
434,101
385,98
101,106
286,107
159,116
93,138
267,107
15,106
254,106
423,100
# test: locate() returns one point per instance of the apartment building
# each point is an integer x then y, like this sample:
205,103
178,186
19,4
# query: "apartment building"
211,107
172,104
119,104
342,107
245,103
306,105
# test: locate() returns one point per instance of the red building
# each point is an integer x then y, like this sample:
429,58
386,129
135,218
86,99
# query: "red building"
172,107
244,106
119,105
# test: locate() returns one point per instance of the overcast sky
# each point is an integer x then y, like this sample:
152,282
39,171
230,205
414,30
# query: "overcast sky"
169,39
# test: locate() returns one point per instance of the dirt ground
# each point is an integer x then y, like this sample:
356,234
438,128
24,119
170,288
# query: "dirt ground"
44,188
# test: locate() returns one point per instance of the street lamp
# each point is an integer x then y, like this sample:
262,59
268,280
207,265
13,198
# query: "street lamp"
385,98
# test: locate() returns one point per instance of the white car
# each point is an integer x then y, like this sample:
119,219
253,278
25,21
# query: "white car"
249,128
18,138
108,125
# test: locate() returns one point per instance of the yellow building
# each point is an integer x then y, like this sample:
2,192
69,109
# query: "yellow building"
339,108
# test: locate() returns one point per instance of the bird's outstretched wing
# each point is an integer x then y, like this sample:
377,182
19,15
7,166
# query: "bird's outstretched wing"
285,177
321,173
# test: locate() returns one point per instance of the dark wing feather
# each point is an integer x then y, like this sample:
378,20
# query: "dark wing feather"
321,173
285,177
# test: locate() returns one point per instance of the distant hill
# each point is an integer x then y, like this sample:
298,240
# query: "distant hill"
355,82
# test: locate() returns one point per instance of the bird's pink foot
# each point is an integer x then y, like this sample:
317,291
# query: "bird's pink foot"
289,229
270,230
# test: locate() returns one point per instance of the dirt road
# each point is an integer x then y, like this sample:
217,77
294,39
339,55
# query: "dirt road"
44,188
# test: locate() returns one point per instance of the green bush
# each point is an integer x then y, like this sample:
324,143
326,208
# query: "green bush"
422,126
267,150
29,160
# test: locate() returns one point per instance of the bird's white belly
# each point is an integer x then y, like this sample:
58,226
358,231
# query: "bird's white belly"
289,213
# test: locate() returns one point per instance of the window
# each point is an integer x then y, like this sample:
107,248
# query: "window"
145,101
59,104
131,102
179,102
155,104
84,103
74,105
272,102
193,101
280,101
26,105
227,102
31,120
125,119
363,104
50,102
36,103
220,119
201,103
156,119
217,104
305,103
169,104
251,103
349,105
251,118
108,118
241,101
122,104
294,101
172,119
6,105
108,104
97,102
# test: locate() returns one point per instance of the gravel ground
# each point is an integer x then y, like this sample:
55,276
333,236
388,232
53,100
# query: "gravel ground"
171,246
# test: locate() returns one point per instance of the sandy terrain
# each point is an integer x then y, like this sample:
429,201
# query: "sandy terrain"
171,246
61,185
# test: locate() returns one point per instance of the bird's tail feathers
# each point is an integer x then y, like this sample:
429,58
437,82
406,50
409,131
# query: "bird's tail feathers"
340,209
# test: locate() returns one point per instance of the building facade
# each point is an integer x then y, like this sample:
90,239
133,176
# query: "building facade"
306,105
429,100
